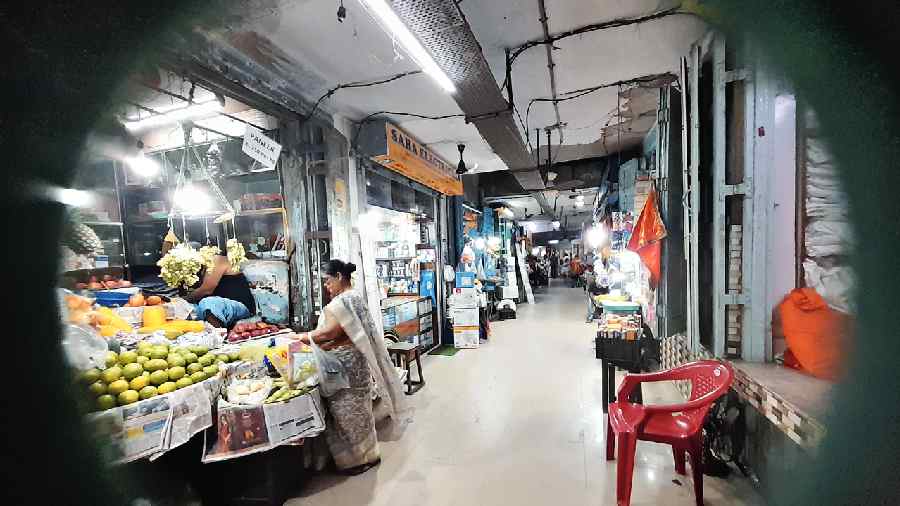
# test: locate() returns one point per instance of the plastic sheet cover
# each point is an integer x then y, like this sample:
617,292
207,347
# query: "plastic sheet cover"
828,237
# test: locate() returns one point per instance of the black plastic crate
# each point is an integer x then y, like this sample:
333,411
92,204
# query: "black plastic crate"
621,353
265,479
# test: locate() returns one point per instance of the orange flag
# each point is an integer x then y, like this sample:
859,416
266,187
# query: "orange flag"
648,231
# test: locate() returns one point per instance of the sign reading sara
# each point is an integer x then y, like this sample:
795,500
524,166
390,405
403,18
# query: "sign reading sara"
408,157
261,148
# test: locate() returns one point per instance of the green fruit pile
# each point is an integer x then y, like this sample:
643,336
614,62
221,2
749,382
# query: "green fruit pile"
148,371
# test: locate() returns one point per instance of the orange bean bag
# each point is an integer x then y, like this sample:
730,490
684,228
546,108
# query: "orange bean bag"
814,333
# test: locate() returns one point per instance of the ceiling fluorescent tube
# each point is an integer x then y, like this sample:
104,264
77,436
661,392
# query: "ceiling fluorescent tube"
195,111
397,29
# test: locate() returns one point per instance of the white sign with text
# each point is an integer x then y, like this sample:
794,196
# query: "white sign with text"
261,148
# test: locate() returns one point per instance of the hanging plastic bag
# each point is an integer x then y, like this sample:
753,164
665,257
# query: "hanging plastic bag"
84,348
332,376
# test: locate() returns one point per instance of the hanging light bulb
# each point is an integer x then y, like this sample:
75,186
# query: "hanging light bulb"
191,200
140,164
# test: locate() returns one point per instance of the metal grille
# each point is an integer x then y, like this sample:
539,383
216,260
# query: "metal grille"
445,33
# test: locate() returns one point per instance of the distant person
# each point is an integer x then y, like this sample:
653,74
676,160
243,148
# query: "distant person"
576,268
596,285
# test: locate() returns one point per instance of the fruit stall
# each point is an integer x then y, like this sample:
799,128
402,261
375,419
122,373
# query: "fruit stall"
152,380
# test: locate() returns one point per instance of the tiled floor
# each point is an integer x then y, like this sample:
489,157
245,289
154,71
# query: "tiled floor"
518,421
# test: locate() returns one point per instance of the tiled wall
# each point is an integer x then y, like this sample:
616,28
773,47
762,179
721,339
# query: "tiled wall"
734,312
798,426
675,351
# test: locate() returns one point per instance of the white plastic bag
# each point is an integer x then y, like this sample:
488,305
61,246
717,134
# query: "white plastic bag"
84,348
332,376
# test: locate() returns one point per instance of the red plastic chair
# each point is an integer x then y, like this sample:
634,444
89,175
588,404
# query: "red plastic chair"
679,425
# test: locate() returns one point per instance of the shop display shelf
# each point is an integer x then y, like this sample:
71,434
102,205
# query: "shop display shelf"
261,212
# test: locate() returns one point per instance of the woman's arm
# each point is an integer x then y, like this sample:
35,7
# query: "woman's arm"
331,331
210,281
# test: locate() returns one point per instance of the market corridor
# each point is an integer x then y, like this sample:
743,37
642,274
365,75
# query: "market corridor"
518,421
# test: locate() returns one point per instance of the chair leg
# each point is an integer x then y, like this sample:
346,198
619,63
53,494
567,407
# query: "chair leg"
625,468
696,453
610,441
678,453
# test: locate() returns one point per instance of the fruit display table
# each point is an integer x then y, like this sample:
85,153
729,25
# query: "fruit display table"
149,428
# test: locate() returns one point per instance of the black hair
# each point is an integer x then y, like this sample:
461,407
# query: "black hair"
335,267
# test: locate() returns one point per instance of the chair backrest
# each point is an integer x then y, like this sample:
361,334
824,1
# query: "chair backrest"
709,378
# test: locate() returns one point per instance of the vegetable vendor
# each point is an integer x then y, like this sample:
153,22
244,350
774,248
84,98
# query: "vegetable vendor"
217,287
223,297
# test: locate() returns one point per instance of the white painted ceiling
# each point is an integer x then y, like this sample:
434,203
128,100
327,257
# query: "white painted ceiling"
327,53
582,61
324,53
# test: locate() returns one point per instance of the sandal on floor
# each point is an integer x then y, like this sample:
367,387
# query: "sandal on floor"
353,471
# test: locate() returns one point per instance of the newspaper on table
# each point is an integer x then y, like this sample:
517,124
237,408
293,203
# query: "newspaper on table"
246,429
151,427
191,413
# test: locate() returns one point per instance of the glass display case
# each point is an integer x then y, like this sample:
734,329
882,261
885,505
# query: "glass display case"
101,211
396,252
253,191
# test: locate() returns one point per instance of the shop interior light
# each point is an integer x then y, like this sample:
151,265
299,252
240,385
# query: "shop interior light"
72,197
579,203
555,225
480,243
191,200
596,236
553,241
398,30
190,112
142,166
493,241
535,251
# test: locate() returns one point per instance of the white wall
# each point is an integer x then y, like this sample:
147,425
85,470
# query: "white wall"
782,203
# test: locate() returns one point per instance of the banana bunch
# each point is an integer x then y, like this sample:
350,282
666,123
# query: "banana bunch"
281,392
174,328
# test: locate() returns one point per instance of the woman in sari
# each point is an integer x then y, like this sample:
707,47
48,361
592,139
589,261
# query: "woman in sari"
347,331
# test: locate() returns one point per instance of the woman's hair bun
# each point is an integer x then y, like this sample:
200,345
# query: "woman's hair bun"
335,267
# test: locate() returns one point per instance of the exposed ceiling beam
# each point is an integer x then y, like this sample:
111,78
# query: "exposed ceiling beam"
545,26
442,29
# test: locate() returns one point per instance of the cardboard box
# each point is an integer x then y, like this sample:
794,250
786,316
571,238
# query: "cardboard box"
465,317
465,337
511,292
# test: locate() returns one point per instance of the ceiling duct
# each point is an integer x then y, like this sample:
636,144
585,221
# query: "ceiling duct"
443,30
